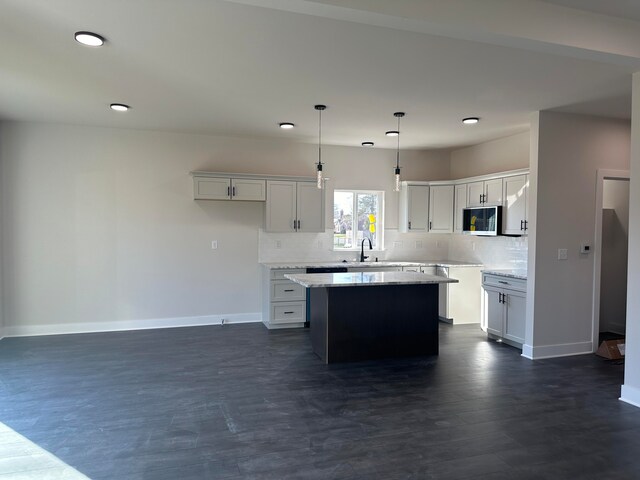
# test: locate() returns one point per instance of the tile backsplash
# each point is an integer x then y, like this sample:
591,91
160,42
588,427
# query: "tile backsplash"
493,252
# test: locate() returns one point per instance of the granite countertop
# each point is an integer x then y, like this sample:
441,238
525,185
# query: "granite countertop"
510,273
311,280
328,264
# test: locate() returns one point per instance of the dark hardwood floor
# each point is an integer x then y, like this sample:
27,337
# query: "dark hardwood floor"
238,402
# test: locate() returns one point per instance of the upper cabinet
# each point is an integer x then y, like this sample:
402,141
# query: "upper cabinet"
460,203
514,217
294,207
487,192
228,188
414,208
426,208
441,208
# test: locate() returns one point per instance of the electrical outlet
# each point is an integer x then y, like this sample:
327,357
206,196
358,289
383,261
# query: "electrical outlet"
214,244
562,254
473,246
320,244
418,243
437,244
278,244
397,244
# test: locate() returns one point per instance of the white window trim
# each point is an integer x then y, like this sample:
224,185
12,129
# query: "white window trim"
380,228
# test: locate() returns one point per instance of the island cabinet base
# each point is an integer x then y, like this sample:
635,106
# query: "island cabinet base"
351,324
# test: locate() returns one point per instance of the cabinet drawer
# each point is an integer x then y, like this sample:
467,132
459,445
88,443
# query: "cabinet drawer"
289,312
277,274
286,290
504,282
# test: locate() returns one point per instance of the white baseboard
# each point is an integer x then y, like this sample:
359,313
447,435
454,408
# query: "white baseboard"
553,351
120,325
630,395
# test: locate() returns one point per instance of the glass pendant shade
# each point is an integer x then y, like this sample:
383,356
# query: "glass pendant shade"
320,183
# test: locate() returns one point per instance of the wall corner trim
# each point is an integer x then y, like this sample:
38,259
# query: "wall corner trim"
125,325
630,395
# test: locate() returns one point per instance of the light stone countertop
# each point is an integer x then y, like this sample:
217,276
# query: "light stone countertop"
329,264
311,280
519,274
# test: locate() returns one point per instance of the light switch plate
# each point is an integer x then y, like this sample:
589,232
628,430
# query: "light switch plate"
562,253
214,244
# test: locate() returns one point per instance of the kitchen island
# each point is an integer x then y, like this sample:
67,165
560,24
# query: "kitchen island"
372,315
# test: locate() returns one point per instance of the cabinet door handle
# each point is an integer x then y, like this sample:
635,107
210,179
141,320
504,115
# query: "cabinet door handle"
295,225
501,298
298,224
233,191
289,290
409,225
481,198
288,313
429,225
228,192
526,225
521,225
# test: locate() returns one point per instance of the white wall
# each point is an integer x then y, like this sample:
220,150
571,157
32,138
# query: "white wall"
100,230
570,149
631,387
508,153
613,270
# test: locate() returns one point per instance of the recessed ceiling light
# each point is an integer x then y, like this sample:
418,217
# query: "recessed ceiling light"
470,120
287,125
392,133
367,144
89,39
119,107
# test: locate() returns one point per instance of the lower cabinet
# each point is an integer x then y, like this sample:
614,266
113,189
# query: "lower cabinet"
504,308
284,302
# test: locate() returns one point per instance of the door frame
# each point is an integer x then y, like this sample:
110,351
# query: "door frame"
602,175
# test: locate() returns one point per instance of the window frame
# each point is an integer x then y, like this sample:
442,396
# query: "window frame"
379,247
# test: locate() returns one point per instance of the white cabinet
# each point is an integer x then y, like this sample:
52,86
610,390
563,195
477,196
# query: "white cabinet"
294,207
226,188
441,208
514,216
504,308
283,301
414,208
487,192
460,203
460,302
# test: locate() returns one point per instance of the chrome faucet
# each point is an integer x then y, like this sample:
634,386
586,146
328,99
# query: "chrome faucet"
362,255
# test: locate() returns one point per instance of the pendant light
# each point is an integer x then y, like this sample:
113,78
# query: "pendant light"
320,181
396,186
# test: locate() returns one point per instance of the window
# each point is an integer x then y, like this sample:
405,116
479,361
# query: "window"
349,228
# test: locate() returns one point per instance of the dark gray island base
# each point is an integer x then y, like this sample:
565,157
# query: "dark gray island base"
376,316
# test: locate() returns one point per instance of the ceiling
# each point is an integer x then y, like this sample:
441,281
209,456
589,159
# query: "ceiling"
240,67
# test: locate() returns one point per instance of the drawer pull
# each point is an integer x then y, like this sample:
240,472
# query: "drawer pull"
288,313
289,290
503,282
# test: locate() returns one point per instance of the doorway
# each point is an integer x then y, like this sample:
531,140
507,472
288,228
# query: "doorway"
610,256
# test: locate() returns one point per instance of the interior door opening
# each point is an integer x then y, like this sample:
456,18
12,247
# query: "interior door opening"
612,234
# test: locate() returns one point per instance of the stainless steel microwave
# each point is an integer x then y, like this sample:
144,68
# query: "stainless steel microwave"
482,221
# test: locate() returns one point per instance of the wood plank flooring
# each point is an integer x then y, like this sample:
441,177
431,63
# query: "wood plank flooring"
241,402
